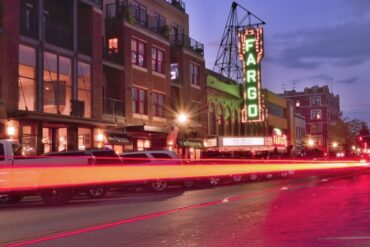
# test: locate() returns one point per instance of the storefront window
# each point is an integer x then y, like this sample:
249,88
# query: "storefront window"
84,138
27,78
28,139
57,84
84,87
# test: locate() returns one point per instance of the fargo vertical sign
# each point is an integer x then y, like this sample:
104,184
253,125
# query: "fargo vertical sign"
251,54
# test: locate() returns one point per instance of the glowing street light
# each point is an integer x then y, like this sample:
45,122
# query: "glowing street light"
182,118
310,142
334,144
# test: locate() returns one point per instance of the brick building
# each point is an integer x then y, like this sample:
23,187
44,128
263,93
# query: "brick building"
81,73
321,110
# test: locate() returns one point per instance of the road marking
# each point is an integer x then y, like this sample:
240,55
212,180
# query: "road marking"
347,238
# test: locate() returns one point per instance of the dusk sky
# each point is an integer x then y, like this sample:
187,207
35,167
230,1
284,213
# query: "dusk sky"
307,43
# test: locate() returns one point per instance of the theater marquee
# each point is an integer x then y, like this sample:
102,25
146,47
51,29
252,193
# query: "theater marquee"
251,53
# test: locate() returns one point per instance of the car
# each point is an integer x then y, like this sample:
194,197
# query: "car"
94,157
155,157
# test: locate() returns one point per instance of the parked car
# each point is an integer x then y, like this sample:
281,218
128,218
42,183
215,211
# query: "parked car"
155,157
94,157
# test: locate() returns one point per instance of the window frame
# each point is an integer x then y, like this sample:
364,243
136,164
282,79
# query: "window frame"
139,101
157,63
194,74
158,106
137,52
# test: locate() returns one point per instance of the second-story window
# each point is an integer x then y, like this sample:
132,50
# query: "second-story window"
316,114
139,101
157,60
194,74
158,104
159,21
113,46
138,52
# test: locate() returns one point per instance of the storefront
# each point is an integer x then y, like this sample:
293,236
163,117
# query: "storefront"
146,137
44,132
245,146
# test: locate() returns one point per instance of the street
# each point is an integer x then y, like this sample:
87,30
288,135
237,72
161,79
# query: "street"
323,210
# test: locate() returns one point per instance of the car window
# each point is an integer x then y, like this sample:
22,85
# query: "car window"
161,156
135,158
106,157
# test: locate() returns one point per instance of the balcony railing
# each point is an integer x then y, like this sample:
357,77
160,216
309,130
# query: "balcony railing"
59,36
28,26
112,55
185,41
113,107
178,4
84,45
132,15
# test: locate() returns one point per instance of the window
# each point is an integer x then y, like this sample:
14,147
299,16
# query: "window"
138,52
316,128
315,101
158,104
139,101
84,87
194,74
157,60
316,114
113,46
27,78
212,120
143,145
140,13
57,84
159,22
161,156
276,110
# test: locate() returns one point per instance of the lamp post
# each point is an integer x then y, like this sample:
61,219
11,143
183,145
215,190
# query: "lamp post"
182,118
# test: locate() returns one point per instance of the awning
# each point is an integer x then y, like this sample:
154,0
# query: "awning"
145,128
61,119
191,144
118,140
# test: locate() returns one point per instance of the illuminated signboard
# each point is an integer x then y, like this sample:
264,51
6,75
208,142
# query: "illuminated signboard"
251,53
278,139
242,141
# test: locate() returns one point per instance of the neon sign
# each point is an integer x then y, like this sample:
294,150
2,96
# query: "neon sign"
251,54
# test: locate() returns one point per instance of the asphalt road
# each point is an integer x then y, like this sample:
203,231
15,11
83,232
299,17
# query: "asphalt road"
312,211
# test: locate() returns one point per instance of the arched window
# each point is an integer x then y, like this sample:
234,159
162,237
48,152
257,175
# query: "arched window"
212,120
236,123
220,121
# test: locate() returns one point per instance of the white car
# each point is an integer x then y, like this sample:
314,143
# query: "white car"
155,157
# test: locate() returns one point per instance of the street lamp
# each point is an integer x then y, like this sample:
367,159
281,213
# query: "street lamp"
310,142
334,145
182,118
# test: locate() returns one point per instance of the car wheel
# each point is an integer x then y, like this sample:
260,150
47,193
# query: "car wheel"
159,185
284,174
10,198
189,183
55,197
214,181
237,178
96,192
253,177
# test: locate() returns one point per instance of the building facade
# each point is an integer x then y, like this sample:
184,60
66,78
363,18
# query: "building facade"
77,74
321,109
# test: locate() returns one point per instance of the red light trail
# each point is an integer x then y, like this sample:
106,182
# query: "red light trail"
42,176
